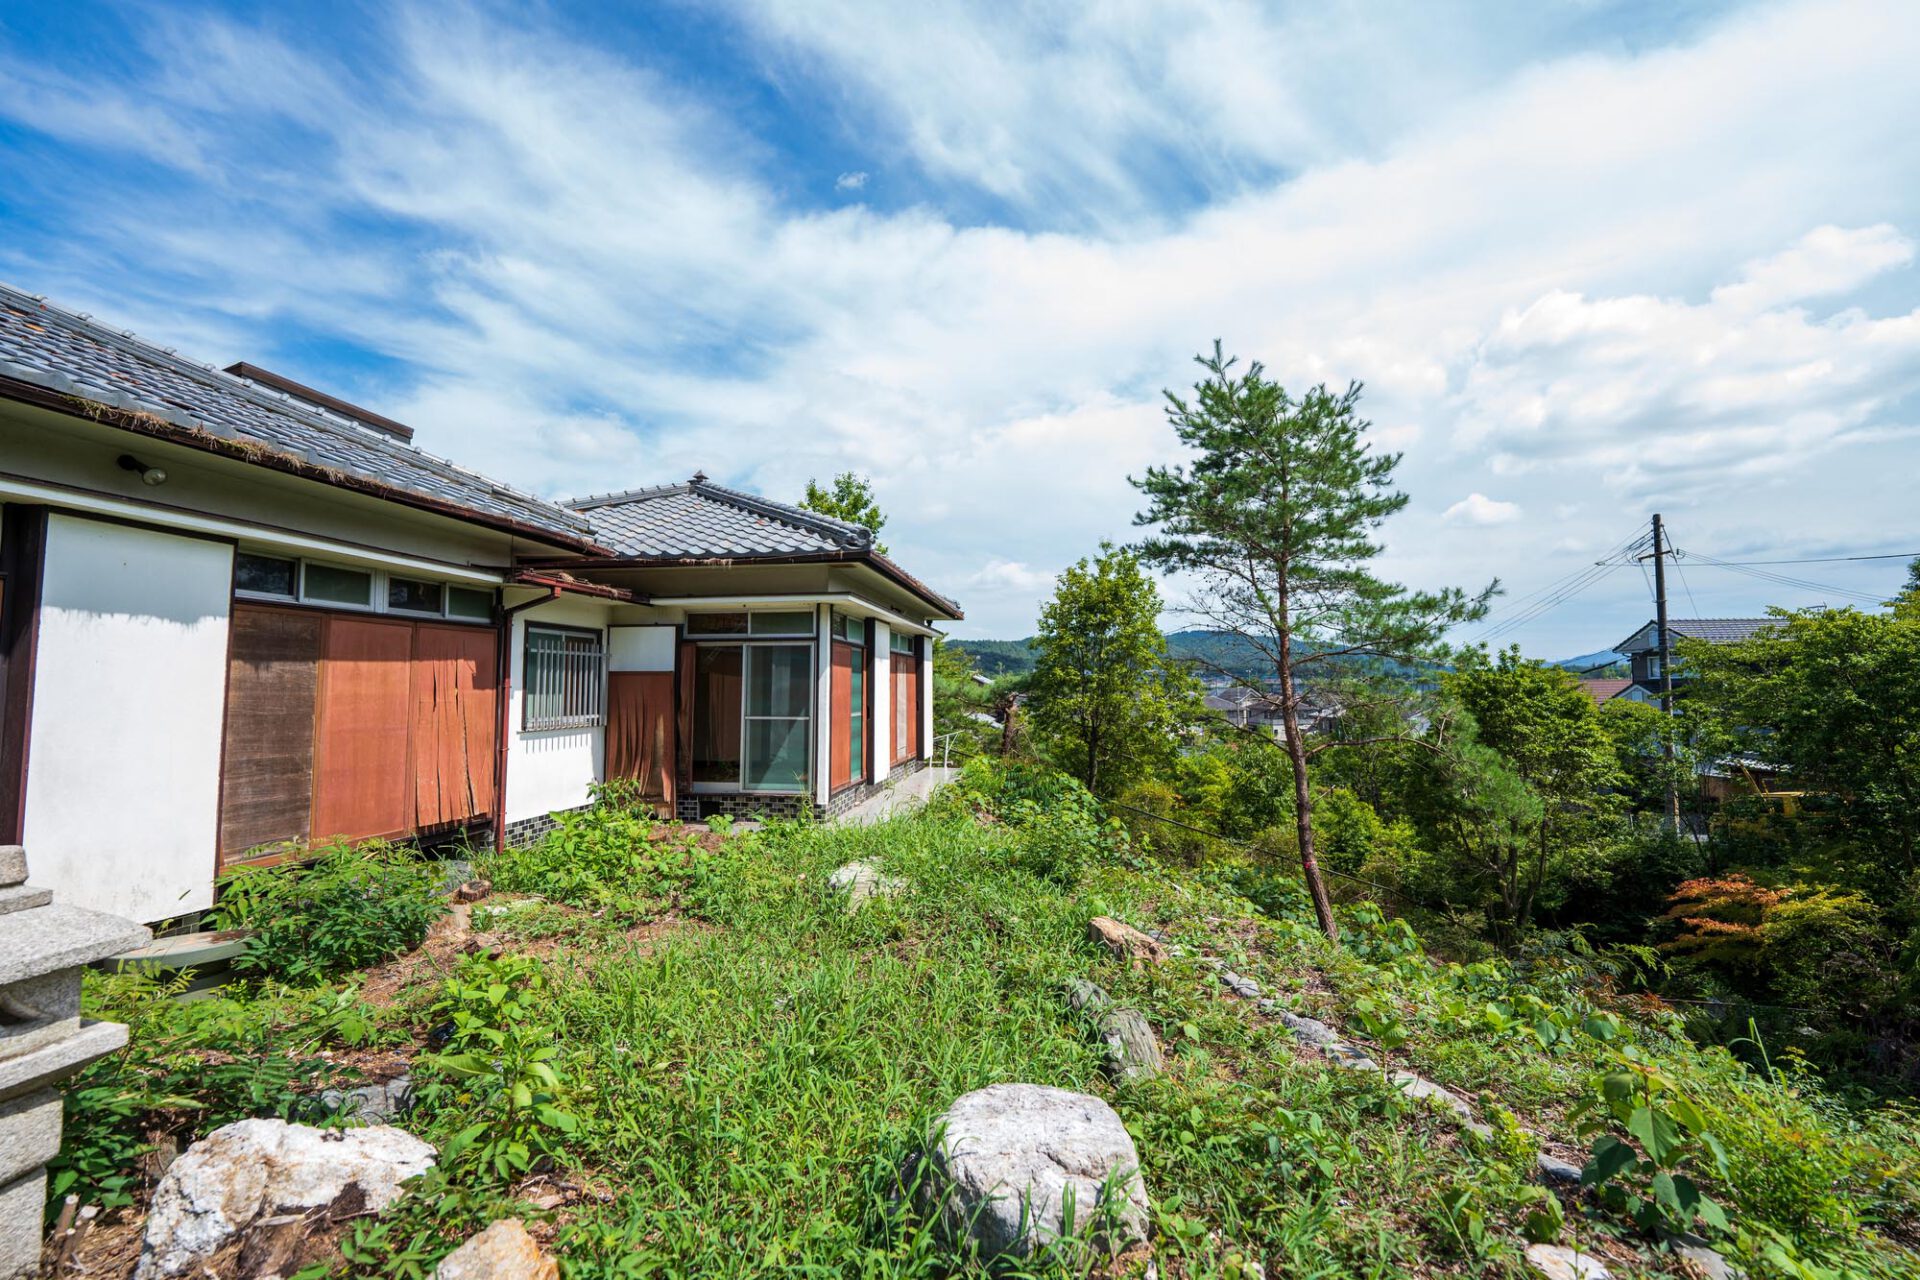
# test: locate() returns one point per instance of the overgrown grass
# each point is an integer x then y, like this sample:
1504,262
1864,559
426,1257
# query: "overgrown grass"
747,1079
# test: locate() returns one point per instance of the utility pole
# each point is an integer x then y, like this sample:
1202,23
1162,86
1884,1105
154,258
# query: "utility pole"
1666,662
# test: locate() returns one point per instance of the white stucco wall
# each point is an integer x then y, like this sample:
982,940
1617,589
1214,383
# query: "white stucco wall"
882,702
926,700
123,766
552,769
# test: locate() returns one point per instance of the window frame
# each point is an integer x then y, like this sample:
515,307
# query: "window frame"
563,722
808,632
743,642
379,580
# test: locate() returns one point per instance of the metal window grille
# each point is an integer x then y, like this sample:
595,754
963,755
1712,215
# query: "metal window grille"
566,679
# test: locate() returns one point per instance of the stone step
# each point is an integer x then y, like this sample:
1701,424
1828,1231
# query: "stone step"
23,897
53,1062
186,950
51,938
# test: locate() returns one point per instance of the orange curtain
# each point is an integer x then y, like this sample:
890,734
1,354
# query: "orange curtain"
640,732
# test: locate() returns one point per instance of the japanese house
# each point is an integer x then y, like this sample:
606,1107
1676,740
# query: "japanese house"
239,616
1642,649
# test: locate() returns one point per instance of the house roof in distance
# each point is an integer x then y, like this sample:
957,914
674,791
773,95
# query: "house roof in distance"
698,520
1712,630
170,397
1601,690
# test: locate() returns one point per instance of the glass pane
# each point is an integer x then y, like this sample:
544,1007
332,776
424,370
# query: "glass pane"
716,714
797,622
414,597
902,644
776,755
778,679
336,585
468,602
857,682
716,624
268,575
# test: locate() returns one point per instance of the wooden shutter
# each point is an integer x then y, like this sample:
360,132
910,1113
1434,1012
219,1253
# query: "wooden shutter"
455,706
683,714
840,718
362,774
266,791
641,731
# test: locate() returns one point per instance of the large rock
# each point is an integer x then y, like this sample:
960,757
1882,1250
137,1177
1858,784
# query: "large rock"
862,880
1023,1169
258,1169
1558,1262
1125,941
504,1251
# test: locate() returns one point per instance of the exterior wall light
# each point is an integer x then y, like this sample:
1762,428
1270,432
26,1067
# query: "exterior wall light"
148,475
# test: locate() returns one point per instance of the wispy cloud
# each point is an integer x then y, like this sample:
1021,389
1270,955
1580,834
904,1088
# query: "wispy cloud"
1478,508
1669,275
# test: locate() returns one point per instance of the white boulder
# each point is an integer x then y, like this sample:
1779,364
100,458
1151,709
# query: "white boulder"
256,1169
1020,1168
862,880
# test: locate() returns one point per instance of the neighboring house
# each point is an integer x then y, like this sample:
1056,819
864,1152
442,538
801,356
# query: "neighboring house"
1602,691
238,615
1248,708
1642,649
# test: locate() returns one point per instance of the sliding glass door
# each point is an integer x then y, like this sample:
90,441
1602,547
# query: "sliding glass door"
752,716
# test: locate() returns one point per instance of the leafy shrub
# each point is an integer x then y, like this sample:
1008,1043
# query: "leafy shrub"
601,857
497,1069
190,1067
352,907
1063,829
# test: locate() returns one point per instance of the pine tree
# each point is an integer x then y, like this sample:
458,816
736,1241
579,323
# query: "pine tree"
1276,515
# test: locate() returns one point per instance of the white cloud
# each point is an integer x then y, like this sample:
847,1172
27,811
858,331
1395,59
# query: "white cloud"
855,181
1479,509
1004,575
1594,271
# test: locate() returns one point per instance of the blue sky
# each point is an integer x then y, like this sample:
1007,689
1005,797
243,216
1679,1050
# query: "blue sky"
1591,260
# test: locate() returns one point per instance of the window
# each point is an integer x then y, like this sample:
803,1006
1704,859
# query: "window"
779,701
565,678
717,624
901,643
470,603
786,622
264,575
331,584
761,622
849,628
409,596
857,715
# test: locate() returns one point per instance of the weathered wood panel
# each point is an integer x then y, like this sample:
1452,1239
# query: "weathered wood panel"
640,732
683,714
906,707
455,685
362,778
840,763
266,792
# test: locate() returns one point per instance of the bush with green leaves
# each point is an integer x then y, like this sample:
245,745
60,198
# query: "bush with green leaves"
351,907
499,1071
602,857
192,1066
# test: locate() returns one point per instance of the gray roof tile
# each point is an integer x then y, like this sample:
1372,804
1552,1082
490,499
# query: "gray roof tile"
48,347
1712,630
703,520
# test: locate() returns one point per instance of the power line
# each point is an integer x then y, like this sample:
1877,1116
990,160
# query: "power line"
1891,555
1783,580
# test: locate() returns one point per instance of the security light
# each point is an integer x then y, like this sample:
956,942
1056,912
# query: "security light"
148,475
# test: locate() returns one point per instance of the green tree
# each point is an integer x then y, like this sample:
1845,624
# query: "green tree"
850,499
1833,696
1550,735
1276,516
1105,700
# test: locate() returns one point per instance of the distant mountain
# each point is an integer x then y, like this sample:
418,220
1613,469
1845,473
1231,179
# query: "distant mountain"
1595,665
1207,650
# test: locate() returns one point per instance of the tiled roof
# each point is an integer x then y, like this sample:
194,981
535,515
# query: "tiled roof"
1601,690
1712,630
70,354
703,520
